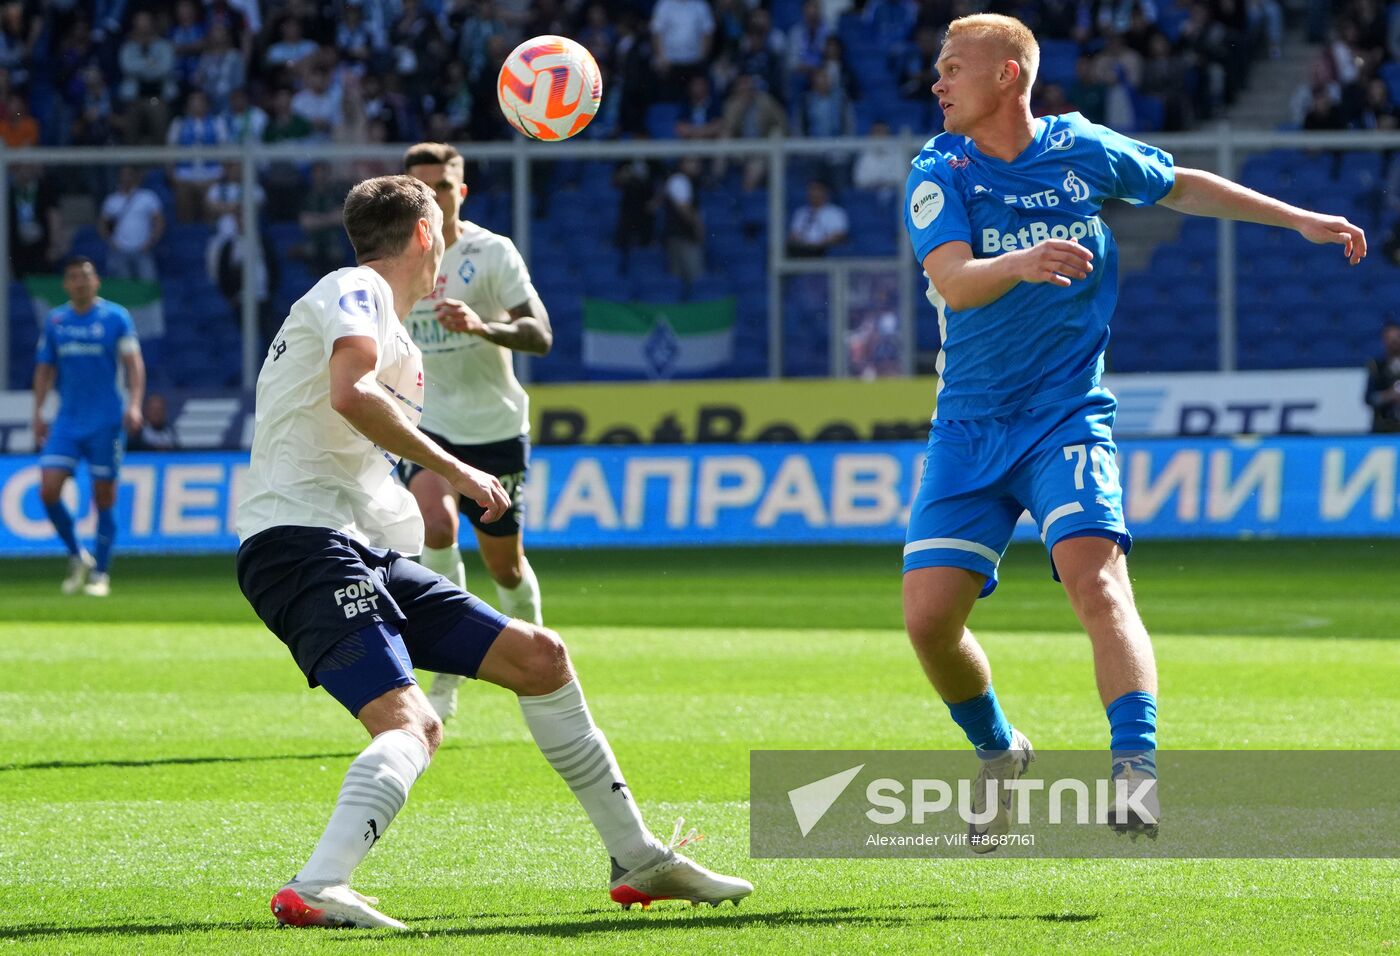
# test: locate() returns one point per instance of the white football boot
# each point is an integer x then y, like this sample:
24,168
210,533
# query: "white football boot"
98,585
80,568
332,905
443,695
671,876
1134,808
981,837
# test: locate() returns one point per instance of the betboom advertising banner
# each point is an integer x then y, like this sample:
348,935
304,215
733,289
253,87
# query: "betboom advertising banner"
631,496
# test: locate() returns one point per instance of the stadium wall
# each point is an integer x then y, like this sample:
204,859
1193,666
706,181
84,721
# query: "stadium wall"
687,495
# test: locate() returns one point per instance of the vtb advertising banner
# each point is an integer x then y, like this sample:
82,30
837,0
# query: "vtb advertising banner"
640,496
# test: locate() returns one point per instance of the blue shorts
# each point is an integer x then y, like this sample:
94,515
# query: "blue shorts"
358,619
1057,461
102,448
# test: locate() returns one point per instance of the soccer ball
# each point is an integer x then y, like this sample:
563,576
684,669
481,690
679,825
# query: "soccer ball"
549,88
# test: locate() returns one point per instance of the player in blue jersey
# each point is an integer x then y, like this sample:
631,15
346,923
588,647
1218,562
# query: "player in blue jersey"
80,348
1002,210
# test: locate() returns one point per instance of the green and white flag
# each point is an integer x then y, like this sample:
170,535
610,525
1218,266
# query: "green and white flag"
141,299
658,341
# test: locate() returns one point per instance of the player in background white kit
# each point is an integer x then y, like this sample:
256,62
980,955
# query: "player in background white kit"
482,308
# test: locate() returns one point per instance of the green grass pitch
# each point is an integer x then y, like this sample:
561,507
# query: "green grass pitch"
163,767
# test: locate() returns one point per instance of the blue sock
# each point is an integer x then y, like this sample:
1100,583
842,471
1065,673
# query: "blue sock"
106,535
984,723
63,523
1132,720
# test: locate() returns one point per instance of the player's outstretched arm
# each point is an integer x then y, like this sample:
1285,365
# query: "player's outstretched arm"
968,283
1199,193
358,398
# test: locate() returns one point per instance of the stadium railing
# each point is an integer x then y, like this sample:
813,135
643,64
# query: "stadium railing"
1222,150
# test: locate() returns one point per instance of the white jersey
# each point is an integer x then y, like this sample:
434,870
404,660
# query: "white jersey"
473,395
309,467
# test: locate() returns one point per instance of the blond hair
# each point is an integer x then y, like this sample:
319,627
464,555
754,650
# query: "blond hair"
1011,35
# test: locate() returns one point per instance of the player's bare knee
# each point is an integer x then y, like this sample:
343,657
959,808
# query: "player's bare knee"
439,531
933,632
430,730
507,574
545,662
1097,594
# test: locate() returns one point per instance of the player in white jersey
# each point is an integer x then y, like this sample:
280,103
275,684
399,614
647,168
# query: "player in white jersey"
324,529
482,308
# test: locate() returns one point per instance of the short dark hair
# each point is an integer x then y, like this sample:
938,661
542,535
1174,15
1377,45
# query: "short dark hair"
431,154
77,262
381,214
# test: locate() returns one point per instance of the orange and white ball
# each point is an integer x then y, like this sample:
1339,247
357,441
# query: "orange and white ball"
549,88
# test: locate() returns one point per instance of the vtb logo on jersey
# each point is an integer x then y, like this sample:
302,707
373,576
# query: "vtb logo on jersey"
467,270
1076,188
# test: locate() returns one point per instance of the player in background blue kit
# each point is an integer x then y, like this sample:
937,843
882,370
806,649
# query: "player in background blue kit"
80,347
1002,210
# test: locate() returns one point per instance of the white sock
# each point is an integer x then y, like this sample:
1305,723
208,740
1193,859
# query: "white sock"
447,562
523,600
375,788
578,751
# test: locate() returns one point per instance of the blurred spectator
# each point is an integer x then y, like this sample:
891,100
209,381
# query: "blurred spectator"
35,224
632,73
806,42
598,35
19,35
1266,18
635,181
700,116
93,122
293,50
283,124
882,165
320,222
131,223
244,119
890,21
750,113
681,31
319,104
761,53
1383,382
917,75
191,178
683,227
357,41
817,226
1320,82
477,31
1323,112
874,346
17,128
1050,100
187,37
156,432
1089,94
488,124
834,65
74,56
220,69
147,63
1377,111
825,111
1166,77
224,255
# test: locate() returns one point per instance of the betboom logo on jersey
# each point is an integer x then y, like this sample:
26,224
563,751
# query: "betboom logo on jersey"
1034,233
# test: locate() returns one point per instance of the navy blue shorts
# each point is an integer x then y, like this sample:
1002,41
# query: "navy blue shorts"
507,460
367,614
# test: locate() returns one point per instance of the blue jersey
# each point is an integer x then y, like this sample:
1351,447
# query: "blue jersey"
1038,343
85,347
